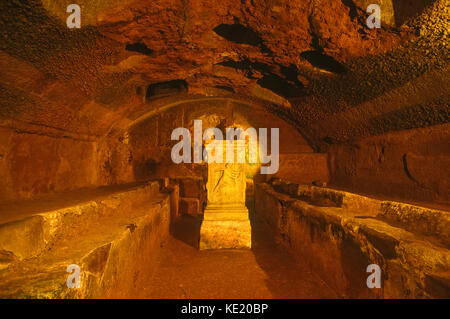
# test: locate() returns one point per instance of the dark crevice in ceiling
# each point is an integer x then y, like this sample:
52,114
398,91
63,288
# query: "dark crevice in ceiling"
240,34
323,61
280,86
225,88
329,140
248,67
166,88
353,9
139,47
280,79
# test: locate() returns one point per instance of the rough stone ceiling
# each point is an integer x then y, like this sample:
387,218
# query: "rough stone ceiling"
313,62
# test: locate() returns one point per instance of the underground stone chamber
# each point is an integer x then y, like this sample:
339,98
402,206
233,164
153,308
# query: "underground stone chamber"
93,204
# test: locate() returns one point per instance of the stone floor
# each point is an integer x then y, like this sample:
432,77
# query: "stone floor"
266,271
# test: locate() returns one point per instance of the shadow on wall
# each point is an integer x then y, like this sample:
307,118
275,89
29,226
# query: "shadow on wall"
187,230
405,9
166,88
145,169
238,33
323,61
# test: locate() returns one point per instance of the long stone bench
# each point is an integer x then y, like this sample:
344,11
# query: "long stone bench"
339,234
114,239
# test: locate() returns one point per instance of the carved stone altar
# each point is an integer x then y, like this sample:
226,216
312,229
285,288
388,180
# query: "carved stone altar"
226,223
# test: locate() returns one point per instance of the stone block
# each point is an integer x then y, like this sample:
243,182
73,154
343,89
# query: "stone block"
116,229
225,234
438,285
303,168
191,188
354,236
189,206
174,201
23,238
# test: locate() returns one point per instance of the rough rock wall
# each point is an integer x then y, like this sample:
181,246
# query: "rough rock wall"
340,235
304,168
32,164
411,165
402,88
115,160
86,78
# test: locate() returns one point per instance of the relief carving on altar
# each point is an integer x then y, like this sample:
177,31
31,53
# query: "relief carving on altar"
226,184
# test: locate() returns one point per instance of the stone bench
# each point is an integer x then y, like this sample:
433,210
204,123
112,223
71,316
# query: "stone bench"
114,239
192,195
339,234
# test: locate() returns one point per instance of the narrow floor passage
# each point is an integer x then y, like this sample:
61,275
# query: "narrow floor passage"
266,271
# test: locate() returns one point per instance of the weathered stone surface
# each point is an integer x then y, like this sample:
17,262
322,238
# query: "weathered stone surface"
174,201
24,238
190,206
353,240
428,222
228,233
37,165
191,187
417,219
407,165
323,196
438,285
112,239
303,168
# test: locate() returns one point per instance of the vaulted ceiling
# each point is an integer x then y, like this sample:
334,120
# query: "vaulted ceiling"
312,62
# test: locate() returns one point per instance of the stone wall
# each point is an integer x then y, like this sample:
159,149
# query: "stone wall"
338,234
408,165
303,168
114,239
192,195
34,164
151,144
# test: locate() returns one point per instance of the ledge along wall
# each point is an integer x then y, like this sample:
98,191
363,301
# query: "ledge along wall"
114,239
339,234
